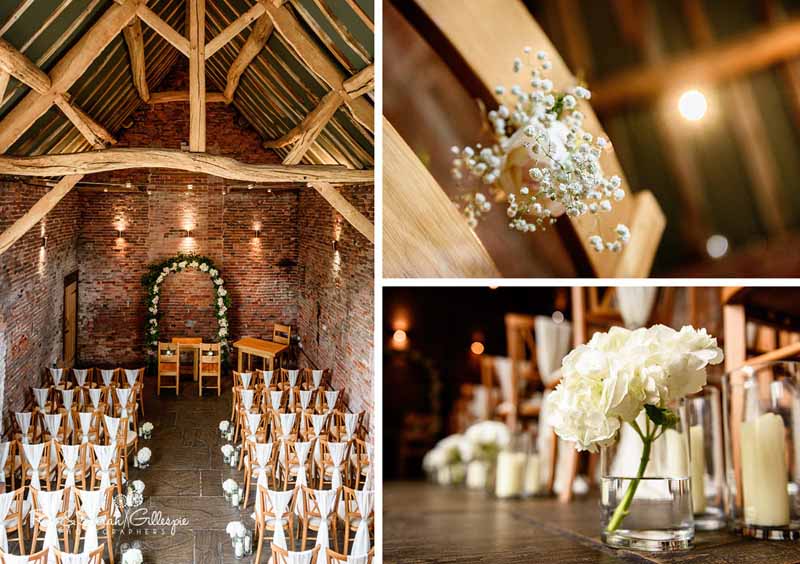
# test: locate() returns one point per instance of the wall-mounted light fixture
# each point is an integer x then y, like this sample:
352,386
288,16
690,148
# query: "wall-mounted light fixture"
335,245
188,233
257,231
44,241
119,233
189,186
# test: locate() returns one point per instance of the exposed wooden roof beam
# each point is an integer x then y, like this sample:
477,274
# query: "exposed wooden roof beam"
251,48
316,60
237,26
354,217
749,129
37,212
361,14
790,70
21,8
20,67
91,162
306,132
162,28
197,76
733,58
135,41
68,70
80,122
183,96
4,78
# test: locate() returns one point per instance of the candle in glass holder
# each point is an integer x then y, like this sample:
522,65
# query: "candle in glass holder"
477,474
698,458
238,547
235,499
510,474
532,483
764,474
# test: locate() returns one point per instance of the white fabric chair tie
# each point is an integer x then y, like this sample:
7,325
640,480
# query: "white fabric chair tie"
247,399
280,501
293,375
6,500
40,395
131,375
33,454
80,375
253,421
69,454
337,451
365,501
287,423
49,504
94,396
56,374
316,377
275,399
105,455
263,454
325,500
246,378
53,424
112,426
91,502
24,422
107,376
123,395
86,425
351,424
553,341
267,376
4,448
330,398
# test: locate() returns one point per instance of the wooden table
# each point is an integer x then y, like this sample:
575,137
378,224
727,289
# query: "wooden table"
191,344
266,350
428,523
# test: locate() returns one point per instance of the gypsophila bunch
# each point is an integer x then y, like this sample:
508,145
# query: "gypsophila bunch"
235,529
230,485
224,425
540,131
147,427
143,456
487,438
132,556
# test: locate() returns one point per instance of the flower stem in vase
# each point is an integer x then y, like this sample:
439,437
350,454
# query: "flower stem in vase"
622,509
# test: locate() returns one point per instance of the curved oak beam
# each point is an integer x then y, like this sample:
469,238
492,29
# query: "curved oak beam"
119,159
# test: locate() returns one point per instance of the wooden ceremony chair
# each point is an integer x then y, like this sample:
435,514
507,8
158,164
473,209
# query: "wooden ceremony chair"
168,367
114,470
38,558
267,520
281,334
326,466
311,518
80,469
126,438
336,558
210,367
103,521
360,461
15,520
93,557
41,519
350,515
253,468
42,470
9,464
138,386
292,465
282,556
83,376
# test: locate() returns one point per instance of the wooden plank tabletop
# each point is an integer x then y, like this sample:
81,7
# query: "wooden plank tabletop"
252,343
428,523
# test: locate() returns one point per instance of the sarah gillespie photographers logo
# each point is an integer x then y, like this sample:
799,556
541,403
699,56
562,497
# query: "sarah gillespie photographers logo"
132,519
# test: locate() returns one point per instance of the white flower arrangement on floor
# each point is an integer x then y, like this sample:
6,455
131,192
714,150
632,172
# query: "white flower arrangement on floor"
143,457
445,462
618,374
132,556
230,486
224,425
146,430
236,529
541,132
138,486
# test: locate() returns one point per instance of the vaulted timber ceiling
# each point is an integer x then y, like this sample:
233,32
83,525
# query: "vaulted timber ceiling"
276,92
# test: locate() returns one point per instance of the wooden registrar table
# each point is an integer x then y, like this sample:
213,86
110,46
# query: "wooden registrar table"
266,350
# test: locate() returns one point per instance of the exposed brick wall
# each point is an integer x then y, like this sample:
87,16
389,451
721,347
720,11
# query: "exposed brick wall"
335,319
32,288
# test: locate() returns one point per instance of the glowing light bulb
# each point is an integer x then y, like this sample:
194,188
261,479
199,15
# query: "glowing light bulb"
399,336
476,347
558,317
692,105
717,246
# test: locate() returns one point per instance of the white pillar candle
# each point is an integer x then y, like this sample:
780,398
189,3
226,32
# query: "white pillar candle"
532,483
235,499
698,458
510,474
477,474
764,474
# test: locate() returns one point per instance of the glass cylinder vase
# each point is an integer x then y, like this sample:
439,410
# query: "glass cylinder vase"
704,412
509,474
646,500
762,430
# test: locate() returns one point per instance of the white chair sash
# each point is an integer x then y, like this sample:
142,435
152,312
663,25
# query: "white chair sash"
357,559
247,399
6,500
337,451
123,395
351,423
40,394
305,398
56,374
253,421
67,398
318,422
24,422
275,398
94,396
112,426
263,454
69,454
267,376
325,501
80,375
553,341
287,423
107,376
316,377
279,501
33,454
86,424
303,557
365,501
91,505
131,374
330,398
105,456
293,375
50,504
69,558
301,449
53,424
635,305
16,559
4,448
246,378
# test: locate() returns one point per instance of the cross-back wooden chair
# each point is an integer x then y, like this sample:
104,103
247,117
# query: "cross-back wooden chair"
138,386
114,470
15,521
127,440
326,466
291,462
103,523
79,470
168,368
360,461
93,557
210,367
83,376
283,556
350,515
267,520
253,468
10,464
37,558
43,470
336,558
311,517
281,334
41,520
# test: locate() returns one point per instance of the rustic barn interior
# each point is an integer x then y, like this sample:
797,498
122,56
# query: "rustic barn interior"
726,180
233,132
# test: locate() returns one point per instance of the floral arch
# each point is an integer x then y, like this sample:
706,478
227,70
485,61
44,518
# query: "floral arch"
156,273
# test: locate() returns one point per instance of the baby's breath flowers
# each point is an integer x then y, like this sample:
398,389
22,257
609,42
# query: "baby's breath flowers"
540,129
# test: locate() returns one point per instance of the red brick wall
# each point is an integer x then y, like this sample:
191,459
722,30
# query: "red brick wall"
32,289
336,317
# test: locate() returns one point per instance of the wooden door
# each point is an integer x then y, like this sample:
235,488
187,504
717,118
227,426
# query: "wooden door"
70,320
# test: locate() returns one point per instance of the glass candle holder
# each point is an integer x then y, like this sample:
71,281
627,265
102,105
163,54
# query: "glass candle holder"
704,413
762,419
532,484
509,476
652,512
